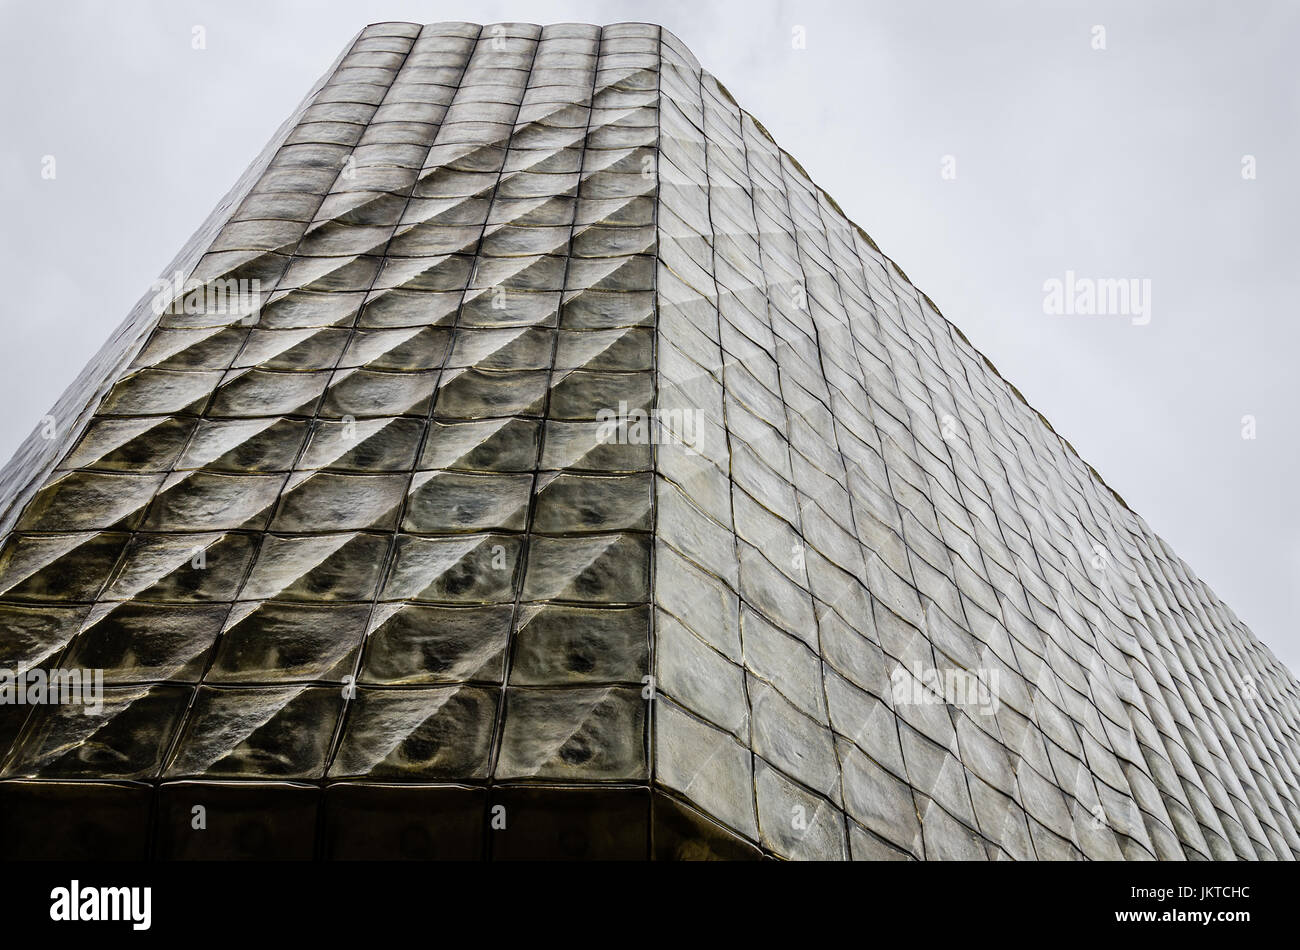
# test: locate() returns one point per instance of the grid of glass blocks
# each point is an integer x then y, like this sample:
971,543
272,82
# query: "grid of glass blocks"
574,479
877,517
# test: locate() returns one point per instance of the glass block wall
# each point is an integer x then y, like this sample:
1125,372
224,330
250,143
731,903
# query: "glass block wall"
579,482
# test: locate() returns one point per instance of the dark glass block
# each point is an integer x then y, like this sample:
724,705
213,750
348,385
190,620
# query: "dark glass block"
253,821
410,823
570,824
74,821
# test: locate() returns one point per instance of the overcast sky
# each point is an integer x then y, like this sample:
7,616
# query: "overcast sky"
1122,162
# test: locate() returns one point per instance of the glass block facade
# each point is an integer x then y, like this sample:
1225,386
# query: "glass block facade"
575,480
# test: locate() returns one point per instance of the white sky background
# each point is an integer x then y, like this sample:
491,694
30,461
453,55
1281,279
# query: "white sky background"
1117,163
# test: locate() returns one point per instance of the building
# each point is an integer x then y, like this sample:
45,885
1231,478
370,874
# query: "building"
527,459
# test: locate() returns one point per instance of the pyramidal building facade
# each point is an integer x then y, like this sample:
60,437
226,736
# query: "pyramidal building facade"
526,459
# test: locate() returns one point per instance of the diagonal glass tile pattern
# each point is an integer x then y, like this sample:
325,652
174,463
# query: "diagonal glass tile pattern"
577,481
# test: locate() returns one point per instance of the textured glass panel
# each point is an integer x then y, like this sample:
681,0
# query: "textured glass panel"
576,456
